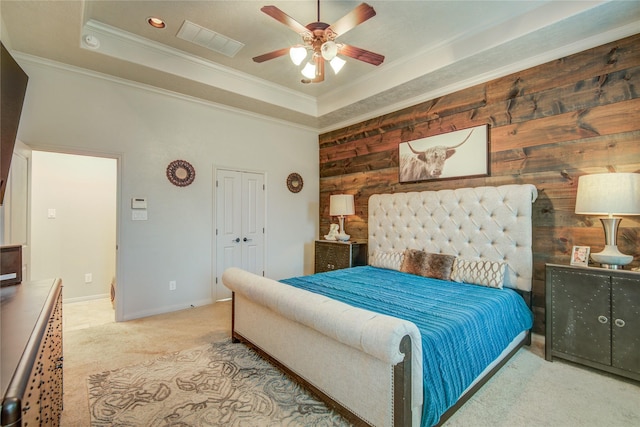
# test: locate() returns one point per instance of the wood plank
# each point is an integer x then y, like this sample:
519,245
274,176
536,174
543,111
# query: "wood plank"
364,163
606,120
596,62
450,104
619,149
574,96
369,145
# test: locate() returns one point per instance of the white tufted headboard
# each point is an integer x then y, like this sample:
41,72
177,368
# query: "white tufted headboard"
489,223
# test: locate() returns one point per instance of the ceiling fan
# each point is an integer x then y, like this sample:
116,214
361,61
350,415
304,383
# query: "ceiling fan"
319,38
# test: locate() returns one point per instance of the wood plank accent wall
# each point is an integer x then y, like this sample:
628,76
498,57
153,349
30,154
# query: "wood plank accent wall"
548,125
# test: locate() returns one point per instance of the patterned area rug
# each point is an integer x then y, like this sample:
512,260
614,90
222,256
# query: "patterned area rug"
221,384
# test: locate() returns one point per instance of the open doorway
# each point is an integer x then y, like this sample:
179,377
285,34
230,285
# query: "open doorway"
73,229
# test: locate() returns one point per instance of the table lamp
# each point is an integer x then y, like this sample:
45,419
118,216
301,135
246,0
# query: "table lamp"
341,205
609,194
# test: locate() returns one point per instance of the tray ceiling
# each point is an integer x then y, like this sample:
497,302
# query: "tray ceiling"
431,48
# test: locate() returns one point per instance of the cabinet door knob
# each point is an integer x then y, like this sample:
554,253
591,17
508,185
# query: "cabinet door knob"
602,319
619,323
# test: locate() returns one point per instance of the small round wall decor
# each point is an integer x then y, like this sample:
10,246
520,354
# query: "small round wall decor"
181,173
294,182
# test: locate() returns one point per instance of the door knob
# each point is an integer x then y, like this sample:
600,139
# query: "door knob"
237,240
246,240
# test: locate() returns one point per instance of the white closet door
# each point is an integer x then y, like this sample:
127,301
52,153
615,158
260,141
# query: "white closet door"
253,222
240,212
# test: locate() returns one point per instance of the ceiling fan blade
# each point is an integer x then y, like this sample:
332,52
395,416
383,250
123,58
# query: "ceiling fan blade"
352,19
271,55
360,54
279,15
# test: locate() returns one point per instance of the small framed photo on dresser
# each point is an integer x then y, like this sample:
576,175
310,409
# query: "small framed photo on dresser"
580,256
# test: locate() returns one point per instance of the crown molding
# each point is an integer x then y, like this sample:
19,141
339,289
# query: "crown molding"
139,50
27,59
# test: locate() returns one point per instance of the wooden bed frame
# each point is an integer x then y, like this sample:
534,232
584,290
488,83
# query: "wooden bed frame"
319,341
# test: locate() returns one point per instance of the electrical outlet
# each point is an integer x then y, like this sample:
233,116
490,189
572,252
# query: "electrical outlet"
172,285
88,278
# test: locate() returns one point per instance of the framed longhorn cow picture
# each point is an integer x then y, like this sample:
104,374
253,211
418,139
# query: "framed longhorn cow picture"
459,154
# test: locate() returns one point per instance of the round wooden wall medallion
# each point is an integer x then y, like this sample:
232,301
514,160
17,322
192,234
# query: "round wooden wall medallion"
181,173
294,182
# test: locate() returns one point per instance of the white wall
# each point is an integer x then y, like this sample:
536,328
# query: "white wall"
66,110
81,238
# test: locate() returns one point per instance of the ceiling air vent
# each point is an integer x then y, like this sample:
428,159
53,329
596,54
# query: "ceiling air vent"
204,37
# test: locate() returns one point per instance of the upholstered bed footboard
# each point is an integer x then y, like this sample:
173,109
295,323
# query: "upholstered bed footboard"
350,355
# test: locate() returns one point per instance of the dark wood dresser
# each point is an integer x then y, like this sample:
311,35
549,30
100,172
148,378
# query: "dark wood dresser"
31,354
593,318
334,255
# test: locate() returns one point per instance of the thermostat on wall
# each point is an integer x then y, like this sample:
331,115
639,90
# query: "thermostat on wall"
138,203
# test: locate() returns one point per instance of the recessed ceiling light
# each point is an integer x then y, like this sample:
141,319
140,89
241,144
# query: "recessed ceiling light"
156,22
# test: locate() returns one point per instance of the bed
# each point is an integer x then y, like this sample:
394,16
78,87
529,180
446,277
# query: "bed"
378,362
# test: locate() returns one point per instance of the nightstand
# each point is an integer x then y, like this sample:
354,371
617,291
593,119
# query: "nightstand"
593,318
334,255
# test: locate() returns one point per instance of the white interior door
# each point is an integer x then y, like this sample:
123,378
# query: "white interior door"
240,215
16,206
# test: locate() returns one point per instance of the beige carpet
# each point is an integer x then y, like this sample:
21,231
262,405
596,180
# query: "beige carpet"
528,391
113,345
219,384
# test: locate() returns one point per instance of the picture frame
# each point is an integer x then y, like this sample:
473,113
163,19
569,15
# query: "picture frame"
458,154
580,256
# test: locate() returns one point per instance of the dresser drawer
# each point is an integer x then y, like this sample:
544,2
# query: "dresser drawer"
330,255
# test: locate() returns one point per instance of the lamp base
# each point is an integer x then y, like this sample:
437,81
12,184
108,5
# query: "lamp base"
343,237
611,258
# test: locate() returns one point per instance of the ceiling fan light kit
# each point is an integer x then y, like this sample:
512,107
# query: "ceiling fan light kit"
309,70
298,54
319,38
337,63
329,50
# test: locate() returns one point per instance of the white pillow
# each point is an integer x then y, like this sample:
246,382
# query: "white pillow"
390,260
484,273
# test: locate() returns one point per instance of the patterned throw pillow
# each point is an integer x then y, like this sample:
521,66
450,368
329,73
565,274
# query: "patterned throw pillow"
389,260
484,273
420,263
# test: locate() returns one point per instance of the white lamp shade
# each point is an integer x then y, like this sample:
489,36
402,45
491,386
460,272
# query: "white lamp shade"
341,204
309,70
297,54
609,194
337,64
329,50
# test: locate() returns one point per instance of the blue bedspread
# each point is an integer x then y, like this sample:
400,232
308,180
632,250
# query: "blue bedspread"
464,327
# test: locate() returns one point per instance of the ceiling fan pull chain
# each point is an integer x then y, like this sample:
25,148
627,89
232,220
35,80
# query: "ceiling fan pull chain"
318,20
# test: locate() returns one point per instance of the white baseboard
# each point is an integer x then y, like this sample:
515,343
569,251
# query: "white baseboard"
168,309
85,298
